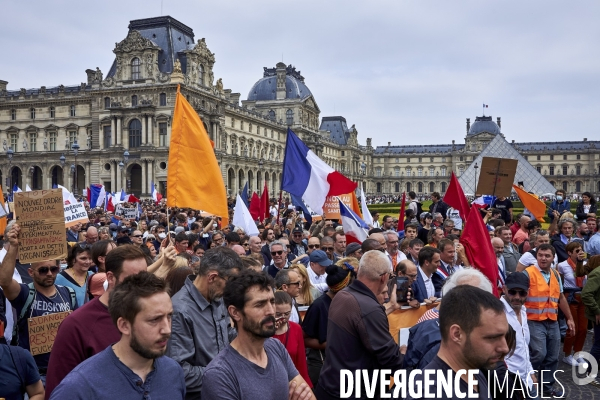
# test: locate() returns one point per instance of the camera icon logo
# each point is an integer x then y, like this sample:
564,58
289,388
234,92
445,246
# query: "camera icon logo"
579,373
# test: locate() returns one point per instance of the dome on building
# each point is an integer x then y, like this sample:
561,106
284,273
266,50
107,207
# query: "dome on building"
266,88
483,124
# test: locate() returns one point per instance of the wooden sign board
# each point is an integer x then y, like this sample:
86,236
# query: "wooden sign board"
43,330
331,208
497,176
41,215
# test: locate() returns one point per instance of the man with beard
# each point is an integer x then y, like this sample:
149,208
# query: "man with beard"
39,298
201,326
253,366
135,366
473,328
91,330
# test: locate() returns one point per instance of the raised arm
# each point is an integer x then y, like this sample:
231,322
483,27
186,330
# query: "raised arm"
10,286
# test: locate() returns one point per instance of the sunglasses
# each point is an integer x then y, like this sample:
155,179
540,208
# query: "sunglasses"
328,248
137,236
44,270
314,246
294,283
277,253
514,292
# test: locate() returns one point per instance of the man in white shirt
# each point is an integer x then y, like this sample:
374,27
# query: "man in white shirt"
515,295
316,271
393,251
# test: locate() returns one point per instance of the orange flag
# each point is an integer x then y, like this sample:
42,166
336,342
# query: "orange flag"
532,203
354,205
189,146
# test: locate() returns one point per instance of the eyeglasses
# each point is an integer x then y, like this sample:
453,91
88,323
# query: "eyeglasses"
294,283
277,253
578,251
514,292
44,270
328,248
286,315
138,236
314,246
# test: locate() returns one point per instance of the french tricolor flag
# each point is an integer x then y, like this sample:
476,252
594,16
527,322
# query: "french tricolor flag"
155,195
484,201
310,178
97,195
355,228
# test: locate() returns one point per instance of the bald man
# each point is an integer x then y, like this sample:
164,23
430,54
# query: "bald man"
238,249
91,237
498,245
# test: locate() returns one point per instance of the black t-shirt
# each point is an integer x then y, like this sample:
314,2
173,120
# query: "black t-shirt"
315,320
504,206
423,232
442,368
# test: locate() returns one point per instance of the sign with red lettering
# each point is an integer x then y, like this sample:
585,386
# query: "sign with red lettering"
41,215
42,331
331,208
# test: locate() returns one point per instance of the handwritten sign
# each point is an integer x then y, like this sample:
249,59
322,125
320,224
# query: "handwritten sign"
75,213
41,215
497,176
331,208
42,332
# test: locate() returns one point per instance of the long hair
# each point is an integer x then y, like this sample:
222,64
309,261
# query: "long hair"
301,269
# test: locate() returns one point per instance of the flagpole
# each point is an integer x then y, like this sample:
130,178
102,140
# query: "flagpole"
279,205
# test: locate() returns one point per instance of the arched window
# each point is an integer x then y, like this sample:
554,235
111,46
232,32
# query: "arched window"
135,69
134,101
201,74
135,133
420,187
431,187
163,99
408,187
378,187
289,116
397,187
106,102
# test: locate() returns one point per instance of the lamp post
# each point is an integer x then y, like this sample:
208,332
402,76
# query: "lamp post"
475,180
9,154
75,147
62,160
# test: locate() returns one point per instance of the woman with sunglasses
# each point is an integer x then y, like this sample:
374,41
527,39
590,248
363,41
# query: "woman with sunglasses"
573,275
290,334
77,273
308,293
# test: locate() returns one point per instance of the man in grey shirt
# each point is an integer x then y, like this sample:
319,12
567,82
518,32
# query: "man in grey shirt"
201,327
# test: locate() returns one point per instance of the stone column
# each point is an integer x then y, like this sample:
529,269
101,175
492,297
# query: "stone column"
113,130
87,173
144,175
119,132
150,138
144,130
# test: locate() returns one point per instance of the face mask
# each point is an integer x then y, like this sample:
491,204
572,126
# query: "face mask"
559,198
162,235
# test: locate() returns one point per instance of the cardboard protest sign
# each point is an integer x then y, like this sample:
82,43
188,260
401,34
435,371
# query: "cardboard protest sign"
41,215
119,210
43,330
331,208
497,176
75,213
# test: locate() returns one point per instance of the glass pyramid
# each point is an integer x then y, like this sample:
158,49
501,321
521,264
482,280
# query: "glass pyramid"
500,148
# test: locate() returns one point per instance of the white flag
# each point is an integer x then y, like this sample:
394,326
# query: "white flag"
243,219
365,211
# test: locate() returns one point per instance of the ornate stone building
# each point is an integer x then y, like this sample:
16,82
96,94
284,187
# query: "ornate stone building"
121,123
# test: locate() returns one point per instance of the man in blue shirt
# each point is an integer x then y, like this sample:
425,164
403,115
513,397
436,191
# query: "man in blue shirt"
135,366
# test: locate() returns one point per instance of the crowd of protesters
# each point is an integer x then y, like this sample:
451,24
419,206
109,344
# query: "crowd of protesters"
175,304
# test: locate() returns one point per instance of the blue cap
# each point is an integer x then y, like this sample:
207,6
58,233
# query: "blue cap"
320,257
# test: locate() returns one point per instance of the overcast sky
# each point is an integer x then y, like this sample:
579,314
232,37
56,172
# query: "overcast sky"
408,72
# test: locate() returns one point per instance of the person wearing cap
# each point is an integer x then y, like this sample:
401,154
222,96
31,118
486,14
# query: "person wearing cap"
514,296
354,250
298,248
123,236
316,270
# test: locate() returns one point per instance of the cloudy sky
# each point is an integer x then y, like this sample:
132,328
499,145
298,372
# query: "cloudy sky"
408,72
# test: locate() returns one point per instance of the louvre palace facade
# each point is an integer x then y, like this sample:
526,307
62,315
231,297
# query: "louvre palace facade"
114,128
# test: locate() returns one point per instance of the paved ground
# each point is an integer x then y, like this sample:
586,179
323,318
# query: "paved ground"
573,391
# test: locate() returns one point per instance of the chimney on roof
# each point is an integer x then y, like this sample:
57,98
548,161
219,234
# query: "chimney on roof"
3,85
468,124
498,122
281,70
585,139
453,142
389,144
513,141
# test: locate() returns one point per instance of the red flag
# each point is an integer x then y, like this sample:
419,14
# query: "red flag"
478,247
255,207
455,197
402,215
89,196
264,203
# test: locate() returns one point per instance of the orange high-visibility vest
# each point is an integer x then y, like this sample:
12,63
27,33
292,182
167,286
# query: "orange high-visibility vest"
542,299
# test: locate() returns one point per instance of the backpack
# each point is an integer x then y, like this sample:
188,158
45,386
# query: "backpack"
27,304
419,209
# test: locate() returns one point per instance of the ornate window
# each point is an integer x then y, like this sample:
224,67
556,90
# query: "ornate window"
420,171
162,134
134,101
52,112
408,171
14,138
107,136
135,69
135,133
565,169
444,171
397,173
201,74
431,171
551,170
13,114
32,141
578,170
72,138
72,110
272,115
289,117
32,113
162,100
539,169
378,171
53,136
106,103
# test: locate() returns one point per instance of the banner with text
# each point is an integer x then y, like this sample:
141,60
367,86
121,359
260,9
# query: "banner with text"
126,213
41,215
75,213
331,208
